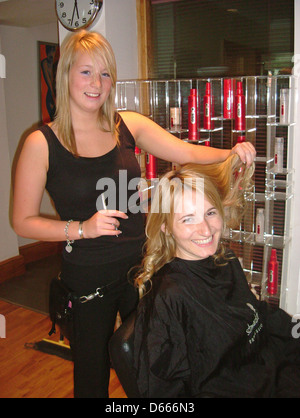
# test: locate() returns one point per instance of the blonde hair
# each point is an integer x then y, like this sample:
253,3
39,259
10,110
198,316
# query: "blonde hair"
98,47
224,186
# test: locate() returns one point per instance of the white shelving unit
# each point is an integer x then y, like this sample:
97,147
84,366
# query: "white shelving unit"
272,191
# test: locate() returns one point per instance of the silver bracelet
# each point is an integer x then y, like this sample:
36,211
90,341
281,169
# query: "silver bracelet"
68,247
80,230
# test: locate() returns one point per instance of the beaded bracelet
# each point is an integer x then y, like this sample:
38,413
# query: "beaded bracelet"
68,247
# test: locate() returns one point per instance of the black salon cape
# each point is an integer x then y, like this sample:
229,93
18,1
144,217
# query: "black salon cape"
200,332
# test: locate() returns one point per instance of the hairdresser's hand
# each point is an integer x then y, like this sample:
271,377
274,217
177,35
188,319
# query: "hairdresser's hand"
246,152
104,222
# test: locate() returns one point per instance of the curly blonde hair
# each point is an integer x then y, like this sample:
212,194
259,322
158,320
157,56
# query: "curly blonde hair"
225,185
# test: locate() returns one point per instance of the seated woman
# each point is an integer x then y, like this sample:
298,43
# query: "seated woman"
200,331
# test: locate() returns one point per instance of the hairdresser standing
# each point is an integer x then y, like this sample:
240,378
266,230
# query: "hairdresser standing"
88,141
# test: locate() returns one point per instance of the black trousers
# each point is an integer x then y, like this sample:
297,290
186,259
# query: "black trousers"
95,320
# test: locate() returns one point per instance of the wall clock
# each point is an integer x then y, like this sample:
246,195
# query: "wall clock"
77,14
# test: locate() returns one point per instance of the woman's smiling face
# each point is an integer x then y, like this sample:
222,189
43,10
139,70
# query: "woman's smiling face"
89,83
197,228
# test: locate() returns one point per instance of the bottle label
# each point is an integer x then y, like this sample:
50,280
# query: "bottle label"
207,110
193,115
239,110
228,103
271,276
258,229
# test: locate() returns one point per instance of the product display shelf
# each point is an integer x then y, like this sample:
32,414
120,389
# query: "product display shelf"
166,102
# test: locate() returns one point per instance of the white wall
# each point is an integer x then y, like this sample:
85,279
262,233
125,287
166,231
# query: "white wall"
21,91
122,34
20,104
9,242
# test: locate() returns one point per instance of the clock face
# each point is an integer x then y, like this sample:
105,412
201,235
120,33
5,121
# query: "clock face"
77,14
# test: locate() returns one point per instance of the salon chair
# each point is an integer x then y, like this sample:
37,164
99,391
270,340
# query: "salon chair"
121,356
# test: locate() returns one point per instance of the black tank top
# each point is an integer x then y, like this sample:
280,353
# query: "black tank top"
74,186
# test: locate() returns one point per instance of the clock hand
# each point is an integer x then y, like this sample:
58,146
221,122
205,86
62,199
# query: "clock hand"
76,6
73,12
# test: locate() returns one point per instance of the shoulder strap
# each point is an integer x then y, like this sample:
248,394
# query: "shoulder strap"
51,141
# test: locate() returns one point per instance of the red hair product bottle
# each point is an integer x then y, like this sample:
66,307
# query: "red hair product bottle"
208,108
193,115
240,139
240,117
228,99
273,273
151,167
151,177
137,153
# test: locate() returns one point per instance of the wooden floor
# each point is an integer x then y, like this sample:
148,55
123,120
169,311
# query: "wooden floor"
27,373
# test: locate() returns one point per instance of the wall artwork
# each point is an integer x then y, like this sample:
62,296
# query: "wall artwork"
48,60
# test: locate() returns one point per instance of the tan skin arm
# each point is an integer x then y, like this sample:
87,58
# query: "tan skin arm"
157,141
